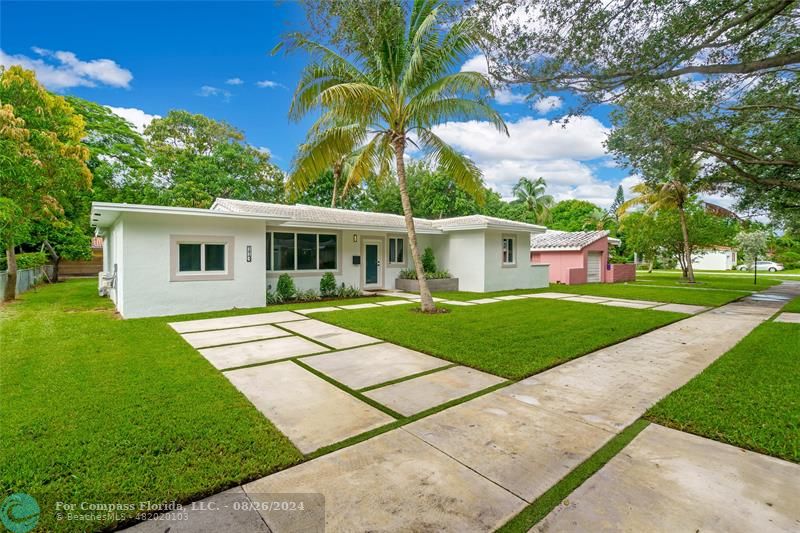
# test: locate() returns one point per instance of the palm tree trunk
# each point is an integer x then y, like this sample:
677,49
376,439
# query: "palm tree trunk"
11,278
337,171
426,299
687,250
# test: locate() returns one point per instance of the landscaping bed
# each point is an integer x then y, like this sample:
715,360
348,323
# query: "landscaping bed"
512,339
749,397
99,409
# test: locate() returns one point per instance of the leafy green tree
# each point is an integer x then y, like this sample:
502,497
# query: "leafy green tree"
643,236
118,155
570,215
531,193
673,190
396,80
43,163
198,159
619,199
598,219
597,48
752,245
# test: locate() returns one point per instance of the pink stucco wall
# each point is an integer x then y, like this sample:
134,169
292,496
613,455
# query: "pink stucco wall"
622,272
569,267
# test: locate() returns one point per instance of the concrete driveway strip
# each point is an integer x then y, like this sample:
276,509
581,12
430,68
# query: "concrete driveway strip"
370,365
218,337
666,480
393,482
206,324
327,334
250,353
307,409
509,440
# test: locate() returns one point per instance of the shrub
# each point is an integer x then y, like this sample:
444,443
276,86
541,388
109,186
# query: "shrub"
273,298
348,292
28,260
307,296
428,260
327,285
285,287
410,273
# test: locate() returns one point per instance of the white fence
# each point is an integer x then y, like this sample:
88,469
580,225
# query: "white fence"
26,278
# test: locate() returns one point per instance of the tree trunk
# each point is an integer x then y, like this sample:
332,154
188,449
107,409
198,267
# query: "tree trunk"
11,279
687,250
426,299
337,171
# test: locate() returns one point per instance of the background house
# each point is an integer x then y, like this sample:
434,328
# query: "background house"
579,257
167,260
715,258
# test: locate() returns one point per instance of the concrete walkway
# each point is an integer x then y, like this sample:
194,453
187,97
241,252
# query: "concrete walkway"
475,465
667,480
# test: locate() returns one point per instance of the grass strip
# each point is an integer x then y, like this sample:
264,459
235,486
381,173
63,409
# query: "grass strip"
407,378
548,501
345,388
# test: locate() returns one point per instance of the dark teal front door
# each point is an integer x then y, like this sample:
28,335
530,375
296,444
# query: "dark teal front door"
371,264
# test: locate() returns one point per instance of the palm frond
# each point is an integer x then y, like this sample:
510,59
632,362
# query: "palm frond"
439,111
321,151
464,171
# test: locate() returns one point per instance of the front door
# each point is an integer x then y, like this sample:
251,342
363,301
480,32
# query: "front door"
372,265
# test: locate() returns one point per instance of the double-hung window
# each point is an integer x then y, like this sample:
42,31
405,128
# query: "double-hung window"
301,251
396,251
508,251
201,258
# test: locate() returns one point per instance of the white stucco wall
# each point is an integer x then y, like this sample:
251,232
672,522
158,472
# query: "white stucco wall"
713,260
465,259
112,255
521,275
144,272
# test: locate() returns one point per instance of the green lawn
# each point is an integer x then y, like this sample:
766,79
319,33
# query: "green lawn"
706,281
511,339
664,294
750,397
793,306
99,409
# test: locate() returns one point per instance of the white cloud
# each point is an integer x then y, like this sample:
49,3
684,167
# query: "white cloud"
135,116
62,70
269,84
547,104
234,81
209,90
502,95
537,147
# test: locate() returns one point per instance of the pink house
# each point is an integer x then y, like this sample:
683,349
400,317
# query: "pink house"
579,257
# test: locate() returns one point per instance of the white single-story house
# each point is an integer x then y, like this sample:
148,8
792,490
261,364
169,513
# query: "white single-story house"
170,260
714,258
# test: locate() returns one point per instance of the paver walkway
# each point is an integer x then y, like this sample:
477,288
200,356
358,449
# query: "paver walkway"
474,465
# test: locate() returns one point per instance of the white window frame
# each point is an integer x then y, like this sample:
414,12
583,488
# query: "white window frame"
201,275
513,251
297,270
393,260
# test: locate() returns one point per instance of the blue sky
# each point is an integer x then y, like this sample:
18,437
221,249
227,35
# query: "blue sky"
145,58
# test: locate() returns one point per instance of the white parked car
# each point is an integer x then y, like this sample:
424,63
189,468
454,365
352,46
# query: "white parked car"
770,266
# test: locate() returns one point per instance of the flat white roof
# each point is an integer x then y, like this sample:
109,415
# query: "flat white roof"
104,214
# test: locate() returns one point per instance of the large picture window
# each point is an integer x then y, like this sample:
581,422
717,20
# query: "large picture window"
198,258
302,251
396,250
283,251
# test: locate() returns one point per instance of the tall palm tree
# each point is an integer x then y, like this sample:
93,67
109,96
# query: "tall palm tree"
674,192
532,194
598,219
372,102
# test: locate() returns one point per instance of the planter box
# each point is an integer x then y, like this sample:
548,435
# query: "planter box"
435,285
